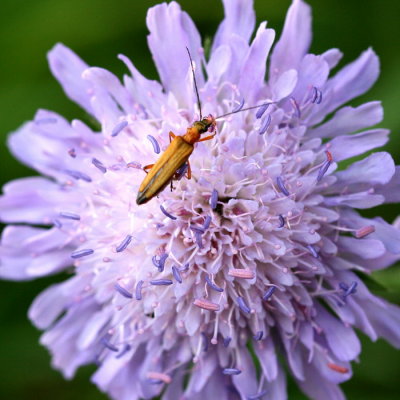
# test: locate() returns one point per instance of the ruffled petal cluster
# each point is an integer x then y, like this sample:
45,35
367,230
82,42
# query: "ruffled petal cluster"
256,262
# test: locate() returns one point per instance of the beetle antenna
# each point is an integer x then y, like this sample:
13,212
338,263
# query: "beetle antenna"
195,83
244,109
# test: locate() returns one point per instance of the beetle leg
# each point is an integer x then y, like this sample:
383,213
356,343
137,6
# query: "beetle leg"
189,171
207,138
171,136
146,167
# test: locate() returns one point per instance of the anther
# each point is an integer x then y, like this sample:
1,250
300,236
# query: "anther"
231,371
281,185
244,273
317,96
262,110
72,153
281,221
364,231
121,290
213,285
118,128
99,165
124,244
214,199
82,253
295,107
265,125
207,222
159,376
227,340
312,250
238,107
105,341
166,213
205,341
338,368
126,348
259,335
177,274
57,223
161,282
242,305
138,290
269,293
70,215
78,175
257,396
155,144
206,304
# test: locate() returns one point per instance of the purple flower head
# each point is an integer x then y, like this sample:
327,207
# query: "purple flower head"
263,248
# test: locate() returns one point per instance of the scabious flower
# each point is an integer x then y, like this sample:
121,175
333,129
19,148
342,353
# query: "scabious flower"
258,260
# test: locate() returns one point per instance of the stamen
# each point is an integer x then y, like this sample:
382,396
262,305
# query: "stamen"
78,175
259,335
161,262
281,221
82,253
231,371
155,144
198,229
159,376
238,107
206,304
338,368
134,164
155,381
214,199
242,305
99,165
123,351
262,110
177,274
124,244
282,187
181,171
227,340
329,156
265,125
213,285
184,268
166,213
105,341
317,96
72,153
118,128
296,107
70,215
313,251
121,290
205,341
348,290
198,239
57,223
138,290
269,293
48,120
322,170
207,223
161,282
257,396
364,231
244,273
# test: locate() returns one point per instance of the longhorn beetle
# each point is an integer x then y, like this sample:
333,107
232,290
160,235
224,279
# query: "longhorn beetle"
174,158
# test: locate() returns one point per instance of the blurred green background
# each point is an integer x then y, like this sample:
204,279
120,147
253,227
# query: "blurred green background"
100,29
